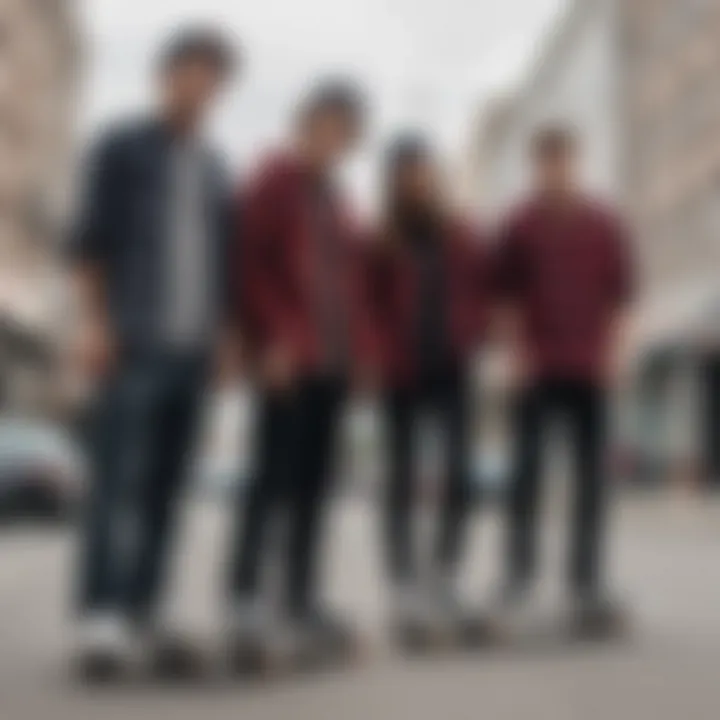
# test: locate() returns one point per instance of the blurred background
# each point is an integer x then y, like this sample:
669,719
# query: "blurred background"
636,78
639,78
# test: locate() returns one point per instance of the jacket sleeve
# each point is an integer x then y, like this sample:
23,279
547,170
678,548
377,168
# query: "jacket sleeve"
94,231
508,262
369,304
261,257
623,266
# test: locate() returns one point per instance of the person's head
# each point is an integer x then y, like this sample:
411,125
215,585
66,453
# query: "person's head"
412,178
555,152
193,66
331,121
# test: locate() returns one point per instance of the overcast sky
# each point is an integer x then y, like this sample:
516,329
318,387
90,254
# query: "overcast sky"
428,63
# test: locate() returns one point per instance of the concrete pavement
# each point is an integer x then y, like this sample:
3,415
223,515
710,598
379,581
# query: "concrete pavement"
665,554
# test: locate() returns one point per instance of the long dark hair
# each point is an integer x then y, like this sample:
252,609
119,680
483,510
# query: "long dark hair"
401,213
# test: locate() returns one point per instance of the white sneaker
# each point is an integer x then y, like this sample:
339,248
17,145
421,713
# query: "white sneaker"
104,646
104,633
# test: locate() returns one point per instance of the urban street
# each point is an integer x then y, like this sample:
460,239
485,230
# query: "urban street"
665,567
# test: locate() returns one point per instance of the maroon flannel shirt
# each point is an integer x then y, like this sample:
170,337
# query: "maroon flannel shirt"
391,291
567,272
278,261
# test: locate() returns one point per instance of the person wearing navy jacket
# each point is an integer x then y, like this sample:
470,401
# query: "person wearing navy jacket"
428,288
566,275
149,258
297,304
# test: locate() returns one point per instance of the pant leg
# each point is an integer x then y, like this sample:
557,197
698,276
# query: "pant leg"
173,440
117,434
400,412
710,402
257,504
587,414
530,414
98,562
315,424
453,404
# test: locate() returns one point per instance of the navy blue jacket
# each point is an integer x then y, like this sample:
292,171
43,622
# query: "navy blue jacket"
123,223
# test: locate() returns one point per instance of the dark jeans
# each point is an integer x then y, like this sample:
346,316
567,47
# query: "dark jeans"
141,435
296,438
582,406
710,401
446,395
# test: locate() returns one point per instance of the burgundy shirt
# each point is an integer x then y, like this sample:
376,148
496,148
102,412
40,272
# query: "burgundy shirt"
567,271
282,265
392,286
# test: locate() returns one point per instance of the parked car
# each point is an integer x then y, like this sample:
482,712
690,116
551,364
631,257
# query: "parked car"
42,471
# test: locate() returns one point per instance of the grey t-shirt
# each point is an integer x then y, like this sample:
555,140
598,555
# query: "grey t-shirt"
188,315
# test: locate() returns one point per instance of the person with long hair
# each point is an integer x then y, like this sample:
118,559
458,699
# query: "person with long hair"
427,289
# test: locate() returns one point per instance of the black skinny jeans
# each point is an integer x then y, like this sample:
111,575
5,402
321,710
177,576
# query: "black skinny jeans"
295,442
583,406
445,395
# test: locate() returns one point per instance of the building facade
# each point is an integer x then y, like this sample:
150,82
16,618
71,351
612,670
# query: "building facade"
38,58
640,80
671,57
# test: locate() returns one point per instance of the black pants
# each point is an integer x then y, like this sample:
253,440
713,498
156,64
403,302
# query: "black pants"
141,435
582,405
710,402
446,395
296,438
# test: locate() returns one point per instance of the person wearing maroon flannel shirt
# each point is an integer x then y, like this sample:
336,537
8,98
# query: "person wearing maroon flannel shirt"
427,287
566,275
299,316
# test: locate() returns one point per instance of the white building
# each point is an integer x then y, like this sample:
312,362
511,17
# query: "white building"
574,79
639,82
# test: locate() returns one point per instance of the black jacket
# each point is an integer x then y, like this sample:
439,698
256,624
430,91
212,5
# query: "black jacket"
122,225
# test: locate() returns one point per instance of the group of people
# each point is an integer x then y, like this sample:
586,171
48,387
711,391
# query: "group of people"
174,272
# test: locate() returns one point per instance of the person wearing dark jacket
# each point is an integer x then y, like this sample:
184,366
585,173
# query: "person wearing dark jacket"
427,284
300,319
566,275
149,256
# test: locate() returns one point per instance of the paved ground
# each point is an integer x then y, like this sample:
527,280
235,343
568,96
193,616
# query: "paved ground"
666,556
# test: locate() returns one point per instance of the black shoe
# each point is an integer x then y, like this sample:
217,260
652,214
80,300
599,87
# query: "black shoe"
105,651
99,667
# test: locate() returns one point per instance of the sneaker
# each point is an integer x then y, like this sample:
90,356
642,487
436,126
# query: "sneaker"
104,648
